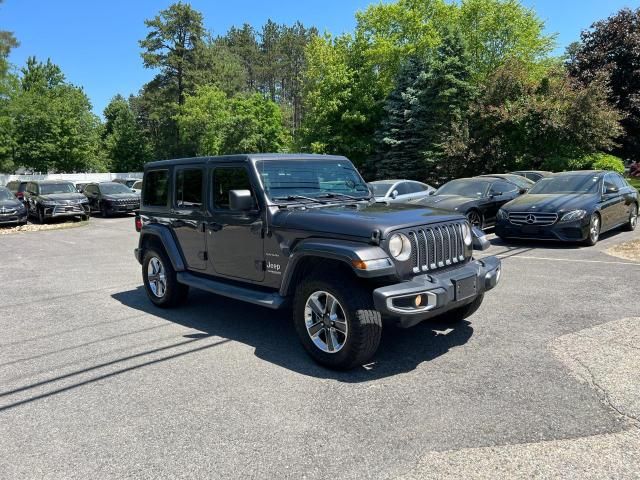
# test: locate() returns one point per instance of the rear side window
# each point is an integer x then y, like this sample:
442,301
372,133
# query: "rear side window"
402,188
189,188
619,181
503,187
225,179
156,188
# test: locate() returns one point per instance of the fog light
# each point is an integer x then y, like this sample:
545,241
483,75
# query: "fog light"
418,301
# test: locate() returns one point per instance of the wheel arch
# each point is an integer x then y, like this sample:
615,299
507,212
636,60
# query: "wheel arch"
160,237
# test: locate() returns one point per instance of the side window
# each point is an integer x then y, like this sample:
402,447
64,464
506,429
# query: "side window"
189,188
503,187
156,191
225,179
402,188
619,181
415,187
609,182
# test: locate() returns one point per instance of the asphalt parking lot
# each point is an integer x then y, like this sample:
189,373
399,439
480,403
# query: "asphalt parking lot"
95,381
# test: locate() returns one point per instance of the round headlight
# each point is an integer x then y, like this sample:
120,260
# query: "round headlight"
400,246
466,234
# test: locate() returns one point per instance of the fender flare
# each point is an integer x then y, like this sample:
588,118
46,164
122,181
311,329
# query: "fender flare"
167,241
341,250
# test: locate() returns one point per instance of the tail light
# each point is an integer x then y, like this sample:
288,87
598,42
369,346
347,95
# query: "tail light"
20,195
138,223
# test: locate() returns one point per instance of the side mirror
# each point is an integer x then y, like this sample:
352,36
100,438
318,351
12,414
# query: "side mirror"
394,194
611,190
479,241
522,191
240,200
432,192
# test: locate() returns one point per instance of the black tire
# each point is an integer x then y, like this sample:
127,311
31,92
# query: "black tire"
593,235
174,293
459,314
103,211
364,322
475,218
41,218
84,218
630,226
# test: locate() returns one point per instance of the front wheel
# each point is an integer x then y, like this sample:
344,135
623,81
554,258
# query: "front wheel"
41,217
160,280
337,322
594,230
475,219
630,226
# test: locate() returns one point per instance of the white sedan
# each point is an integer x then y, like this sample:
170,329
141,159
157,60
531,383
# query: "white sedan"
399,191
137,187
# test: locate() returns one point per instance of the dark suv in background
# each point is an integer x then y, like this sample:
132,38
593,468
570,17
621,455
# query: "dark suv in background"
17,187
305,231
12,210
46,199
111,198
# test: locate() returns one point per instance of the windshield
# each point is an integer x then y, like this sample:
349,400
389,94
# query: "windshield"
6,194
380,189
567,184
111,188
521,182
53,188
465,188
129,183
310,178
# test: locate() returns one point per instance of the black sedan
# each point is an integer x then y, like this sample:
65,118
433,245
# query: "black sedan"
479,198
110,198
571,206
533,175
12,211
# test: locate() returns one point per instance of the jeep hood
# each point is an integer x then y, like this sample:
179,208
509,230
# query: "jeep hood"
61,197
359,220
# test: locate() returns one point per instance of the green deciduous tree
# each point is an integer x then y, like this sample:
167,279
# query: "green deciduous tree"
125,145
612,48
215,124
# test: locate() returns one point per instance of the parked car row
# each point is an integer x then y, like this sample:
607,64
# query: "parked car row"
47,199
570,206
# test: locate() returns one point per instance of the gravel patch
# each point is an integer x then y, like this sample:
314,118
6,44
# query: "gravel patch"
627,250
35,227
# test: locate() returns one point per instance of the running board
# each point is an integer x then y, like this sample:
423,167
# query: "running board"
264,299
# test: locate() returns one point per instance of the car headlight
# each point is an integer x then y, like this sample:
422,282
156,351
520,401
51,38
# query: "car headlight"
502,214
400,246
466,234
573,215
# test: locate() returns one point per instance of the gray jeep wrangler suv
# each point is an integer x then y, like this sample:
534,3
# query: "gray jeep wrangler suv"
304,231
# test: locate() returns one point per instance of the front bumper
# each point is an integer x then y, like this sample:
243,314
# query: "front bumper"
13,218
114,208
57,211
440,292
575,231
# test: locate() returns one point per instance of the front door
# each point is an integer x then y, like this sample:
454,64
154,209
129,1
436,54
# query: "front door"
187,215
234,239
613,204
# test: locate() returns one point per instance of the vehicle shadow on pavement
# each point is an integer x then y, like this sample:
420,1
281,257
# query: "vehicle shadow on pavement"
531,244
273,337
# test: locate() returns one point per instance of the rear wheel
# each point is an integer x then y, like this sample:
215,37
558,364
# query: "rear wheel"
337,322
594,230
160,280
633,218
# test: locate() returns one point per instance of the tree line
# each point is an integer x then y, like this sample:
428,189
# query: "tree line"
423,89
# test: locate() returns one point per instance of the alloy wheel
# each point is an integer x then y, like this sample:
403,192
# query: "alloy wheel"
326,322
157,277
633,218
594,230
475,219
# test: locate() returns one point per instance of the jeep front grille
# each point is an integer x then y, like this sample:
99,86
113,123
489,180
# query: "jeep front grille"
533,218
436,247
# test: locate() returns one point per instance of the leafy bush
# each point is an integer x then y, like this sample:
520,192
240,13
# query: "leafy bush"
604,161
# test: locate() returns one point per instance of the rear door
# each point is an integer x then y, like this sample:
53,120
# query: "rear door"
188,214
234,239
613,203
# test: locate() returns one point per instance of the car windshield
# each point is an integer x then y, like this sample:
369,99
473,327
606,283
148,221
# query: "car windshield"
111,188
285,179
129,183
521,182
6,194
465,188
380,189
567,184
53,188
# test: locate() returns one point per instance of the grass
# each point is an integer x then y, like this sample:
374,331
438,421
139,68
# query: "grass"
627,250
635,182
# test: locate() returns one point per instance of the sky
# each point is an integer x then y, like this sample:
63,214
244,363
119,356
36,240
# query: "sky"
96,42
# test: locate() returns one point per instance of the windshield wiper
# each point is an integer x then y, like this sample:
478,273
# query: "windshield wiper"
334,195
299,197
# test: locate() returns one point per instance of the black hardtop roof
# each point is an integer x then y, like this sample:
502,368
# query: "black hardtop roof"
240,158
583,172
51,182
